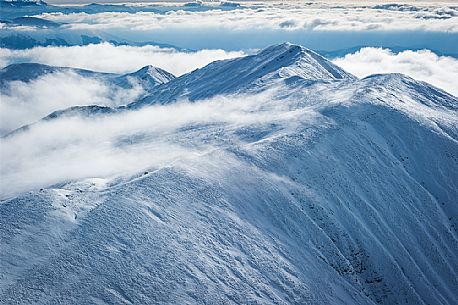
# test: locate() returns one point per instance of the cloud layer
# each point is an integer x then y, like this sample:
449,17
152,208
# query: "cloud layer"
106,57
317,25
23,103
75,147
441,71
319,16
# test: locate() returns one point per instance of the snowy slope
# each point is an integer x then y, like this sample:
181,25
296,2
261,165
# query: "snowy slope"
325,192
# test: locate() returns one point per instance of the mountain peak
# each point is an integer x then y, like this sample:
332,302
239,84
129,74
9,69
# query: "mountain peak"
158,75
254,72
295,60
148,76
282,48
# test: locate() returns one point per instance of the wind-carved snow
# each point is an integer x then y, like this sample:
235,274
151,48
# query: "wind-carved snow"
304,191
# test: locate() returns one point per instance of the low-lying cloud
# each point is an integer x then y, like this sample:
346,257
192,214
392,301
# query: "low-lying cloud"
72,148
23,103
105,57
441,71
75,147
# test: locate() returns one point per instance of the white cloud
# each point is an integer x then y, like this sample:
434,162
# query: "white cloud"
317,25
286,15
129,142
106,57
70,148
441,71
23,103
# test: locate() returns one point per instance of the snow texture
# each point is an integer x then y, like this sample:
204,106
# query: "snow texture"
345,194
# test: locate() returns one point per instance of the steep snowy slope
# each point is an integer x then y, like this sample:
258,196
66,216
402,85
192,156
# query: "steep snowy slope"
249,73
324,192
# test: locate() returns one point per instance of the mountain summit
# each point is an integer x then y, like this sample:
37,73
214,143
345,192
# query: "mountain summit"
255,72
289,60
148,76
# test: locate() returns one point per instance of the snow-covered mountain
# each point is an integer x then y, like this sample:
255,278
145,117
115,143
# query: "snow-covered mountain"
304,185
26,72
148,77
21,3
25,98
248,74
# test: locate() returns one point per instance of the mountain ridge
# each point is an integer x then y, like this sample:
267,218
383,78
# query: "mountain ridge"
164,88
294,191
274,63
332,203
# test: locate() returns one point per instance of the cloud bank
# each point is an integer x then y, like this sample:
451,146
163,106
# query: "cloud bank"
23,103
320,16
72,148
106,57
441,71
69,148
317,25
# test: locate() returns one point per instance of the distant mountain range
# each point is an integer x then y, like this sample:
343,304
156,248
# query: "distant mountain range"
22,3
